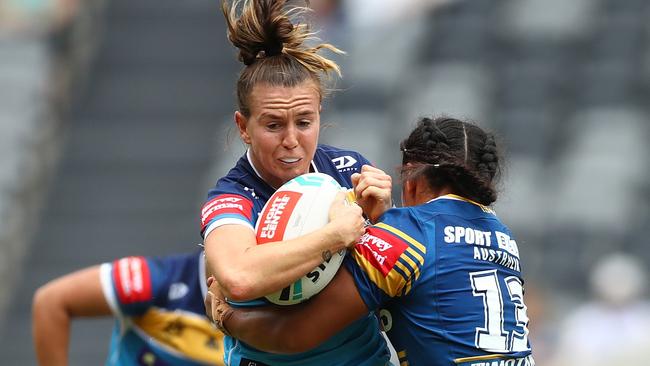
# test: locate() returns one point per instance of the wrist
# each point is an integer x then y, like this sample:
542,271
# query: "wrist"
333,237
222,312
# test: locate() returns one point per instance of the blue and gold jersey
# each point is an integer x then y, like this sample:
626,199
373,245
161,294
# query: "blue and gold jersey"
446,277
238,198
160,315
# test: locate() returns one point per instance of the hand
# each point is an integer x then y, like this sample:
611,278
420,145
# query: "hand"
372,187
216,306
347,219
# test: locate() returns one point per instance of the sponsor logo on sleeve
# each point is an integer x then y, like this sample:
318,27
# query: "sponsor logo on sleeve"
275,217
226,204
381,249
132,280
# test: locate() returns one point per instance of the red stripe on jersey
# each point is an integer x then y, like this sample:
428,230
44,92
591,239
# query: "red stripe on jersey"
132,280
226,204
381,249
275,216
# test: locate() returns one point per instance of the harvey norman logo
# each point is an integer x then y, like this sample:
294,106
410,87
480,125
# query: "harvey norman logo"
221,203
276,215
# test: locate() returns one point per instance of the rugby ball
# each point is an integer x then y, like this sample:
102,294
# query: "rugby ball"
297,208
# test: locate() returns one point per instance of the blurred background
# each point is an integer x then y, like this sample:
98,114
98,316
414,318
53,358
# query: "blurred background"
116,118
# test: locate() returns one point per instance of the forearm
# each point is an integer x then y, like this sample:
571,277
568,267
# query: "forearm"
265,329
253,271
56,304
51,332
298,328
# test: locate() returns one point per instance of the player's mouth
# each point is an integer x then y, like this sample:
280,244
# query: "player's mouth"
290,161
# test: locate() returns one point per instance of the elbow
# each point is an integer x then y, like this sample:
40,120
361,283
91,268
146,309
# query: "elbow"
238,288
44,302
39,300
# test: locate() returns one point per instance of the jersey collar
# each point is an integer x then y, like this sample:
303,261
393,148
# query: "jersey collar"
456,197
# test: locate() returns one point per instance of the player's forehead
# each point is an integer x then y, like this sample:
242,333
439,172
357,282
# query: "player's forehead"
303,98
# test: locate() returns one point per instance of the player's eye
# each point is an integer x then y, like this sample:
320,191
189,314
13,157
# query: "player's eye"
273,126
304,123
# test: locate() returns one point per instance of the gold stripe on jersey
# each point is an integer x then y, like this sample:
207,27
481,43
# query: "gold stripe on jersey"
478,358
415,268
186,334
407,262
409,280
391,284
406,237
402,358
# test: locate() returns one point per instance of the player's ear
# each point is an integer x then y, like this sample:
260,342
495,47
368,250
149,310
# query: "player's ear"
241,122
408,192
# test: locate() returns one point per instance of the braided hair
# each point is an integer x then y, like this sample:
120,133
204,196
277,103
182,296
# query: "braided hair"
454,153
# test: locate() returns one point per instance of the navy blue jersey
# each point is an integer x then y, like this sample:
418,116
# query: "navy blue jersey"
158,303
447,278
238,198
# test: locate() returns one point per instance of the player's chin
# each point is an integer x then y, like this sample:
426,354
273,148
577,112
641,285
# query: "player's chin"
291,171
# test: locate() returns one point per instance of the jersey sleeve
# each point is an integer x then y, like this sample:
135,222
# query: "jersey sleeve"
387,260
226,208
131,285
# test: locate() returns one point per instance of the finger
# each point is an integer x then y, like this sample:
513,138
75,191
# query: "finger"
382,185
376,193
370,168
355,178
210,281
207,302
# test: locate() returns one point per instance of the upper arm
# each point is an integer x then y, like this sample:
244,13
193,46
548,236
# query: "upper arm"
328,313
78,294
224,246
226,208
386,262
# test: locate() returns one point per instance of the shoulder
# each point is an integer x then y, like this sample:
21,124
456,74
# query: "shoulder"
392,251
341,158
339,163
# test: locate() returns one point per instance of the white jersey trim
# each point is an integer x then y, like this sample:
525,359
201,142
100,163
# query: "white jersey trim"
227,221
202,280
106,280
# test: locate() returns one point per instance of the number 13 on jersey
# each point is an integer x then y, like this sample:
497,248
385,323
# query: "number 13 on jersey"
492,336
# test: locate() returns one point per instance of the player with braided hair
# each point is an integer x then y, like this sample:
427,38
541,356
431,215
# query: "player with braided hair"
462,155
443,271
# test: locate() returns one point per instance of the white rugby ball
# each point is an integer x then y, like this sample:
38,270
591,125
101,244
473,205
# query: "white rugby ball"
297,208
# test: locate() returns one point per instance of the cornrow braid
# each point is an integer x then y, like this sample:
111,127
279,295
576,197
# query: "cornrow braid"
453,153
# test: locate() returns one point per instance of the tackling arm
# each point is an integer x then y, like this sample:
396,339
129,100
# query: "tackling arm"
298,328
56,303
